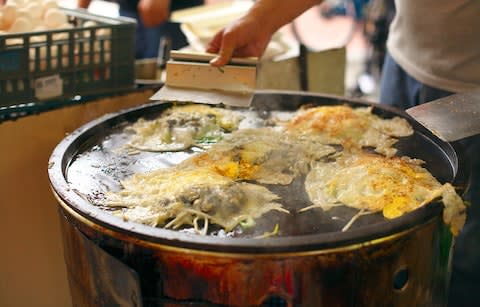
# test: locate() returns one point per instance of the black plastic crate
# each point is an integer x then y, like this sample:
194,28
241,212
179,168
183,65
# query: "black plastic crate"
95,56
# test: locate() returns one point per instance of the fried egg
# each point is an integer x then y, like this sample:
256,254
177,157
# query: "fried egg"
374,183
174,197
350,127
265,155
181,127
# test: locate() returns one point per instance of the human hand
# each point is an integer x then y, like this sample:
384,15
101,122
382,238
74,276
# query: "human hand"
153,12
242,38
250,35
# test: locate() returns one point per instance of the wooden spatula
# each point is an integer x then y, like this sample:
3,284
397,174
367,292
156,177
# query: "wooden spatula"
190,78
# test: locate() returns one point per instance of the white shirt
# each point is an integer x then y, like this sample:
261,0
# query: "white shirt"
437,42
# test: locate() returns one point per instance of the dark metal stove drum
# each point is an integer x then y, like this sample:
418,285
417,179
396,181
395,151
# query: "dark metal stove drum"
378,262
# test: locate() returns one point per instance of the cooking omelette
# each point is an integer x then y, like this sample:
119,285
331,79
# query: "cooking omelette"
374,183
350,127
181,127
222,184
265,155
173,198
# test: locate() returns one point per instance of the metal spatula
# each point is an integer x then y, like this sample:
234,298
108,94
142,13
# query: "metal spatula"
450,118
190,78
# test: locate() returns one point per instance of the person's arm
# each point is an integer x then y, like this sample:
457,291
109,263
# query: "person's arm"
250,35
153,12
83,3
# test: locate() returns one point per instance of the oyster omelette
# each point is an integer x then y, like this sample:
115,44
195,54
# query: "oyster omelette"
225,184
182,127
373,183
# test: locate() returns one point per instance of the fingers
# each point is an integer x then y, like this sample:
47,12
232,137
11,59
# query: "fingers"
214,44
227,47
238,39
223,58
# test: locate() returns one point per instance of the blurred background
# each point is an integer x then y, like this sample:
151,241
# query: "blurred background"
358,26
334,48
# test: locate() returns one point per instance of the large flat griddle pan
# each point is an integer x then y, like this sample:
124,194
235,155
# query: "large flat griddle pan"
299,234
450,118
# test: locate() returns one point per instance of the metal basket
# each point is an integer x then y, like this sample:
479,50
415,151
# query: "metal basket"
82,60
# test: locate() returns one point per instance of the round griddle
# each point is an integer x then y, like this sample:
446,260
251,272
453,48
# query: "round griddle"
88,162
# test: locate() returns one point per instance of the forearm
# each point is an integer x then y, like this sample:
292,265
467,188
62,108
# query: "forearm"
276,13
153,12
83,3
